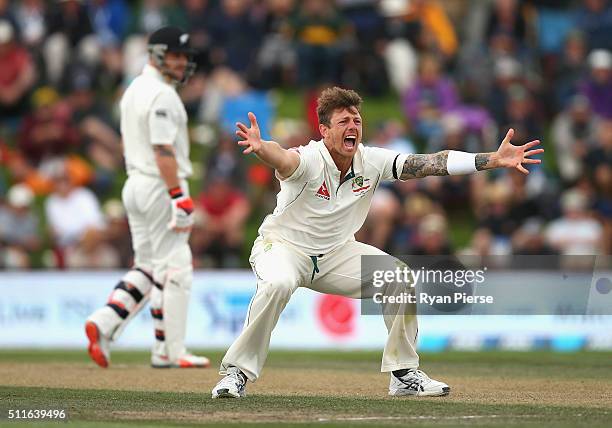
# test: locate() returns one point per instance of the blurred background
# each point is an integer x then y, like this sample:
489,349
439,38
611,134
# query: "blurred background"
435,74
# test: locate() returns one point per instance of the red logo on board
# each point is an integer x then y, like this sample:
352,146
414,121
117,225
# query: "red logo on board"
337,315
323,192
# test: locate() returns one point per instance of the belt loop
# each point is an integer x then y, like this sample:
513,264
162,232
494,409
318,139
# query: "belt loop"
315,268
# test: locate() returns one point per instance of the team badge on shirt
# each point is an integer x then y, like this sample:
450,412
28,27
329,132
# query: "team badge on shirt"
323,193
360,185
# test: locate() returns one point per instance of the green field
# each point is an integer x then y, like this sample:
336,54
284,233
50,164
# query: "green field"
313,389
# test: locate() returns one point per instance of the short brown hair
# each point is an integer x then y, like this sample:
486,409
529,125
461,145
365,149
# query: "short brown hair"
332,99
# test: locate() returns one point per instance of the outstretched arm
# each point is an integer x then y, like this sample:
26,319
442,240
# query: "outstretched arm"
507,156
270,152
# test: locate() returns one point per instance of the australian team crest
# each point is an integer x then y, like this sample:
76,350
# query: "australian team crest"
360,185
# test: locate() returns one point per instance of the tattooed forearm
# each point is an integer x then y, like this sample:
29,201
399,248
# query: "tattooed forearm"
417,166
483,161
163,151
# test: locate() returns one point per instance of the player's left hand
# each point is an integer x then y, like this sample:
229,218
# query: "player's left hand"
181,219
511,156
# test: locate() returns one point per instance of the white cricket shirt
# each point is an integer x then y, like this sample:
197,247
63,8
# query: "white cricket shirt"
152,113
315,211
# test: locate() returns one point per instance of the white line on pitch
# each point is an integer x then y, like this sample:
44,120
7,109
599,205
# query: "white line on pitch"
388,418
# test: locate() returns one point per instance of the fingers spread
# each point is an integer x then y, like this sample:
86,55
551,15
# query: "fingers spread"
532,144
242,127
242,134
534,152
522,169
247,150
253,120
532,160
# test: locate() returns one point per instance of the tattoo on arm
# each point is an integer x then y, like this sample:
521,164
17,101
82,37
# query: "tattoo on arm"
418,166
482,161
163,151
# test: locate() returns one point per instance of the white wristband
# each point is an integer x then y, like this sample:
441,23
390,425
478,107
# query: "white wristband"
460,163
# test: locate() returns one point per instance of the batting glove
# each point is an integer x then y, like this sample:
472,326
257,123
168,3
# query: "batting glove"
182,211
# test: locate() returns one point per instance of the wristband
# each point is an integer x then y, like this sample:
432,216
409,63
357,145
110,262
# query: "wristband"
175,192
460,163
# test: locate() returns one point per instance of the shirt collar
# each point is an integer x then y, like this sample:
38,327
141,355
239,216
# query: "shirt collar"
149,70
356,166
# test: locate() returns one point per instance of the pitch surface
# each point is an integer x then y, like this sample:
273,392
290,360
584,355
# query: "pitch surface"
314,389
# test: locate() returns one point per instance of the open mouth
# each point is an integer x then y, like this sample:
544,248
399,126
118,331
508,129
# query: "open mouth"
350,141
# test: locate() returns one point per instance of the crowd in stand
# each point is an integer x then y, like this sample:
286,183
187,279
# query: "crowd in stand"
461,72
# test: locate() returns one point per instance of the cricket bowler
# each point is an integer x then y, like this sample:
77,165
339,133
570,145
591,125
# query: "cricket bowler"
308,241
159,208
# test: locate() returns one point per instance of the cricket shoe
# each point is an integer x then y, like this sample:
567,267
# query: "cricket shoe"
415,382
233,385
99,345
185,361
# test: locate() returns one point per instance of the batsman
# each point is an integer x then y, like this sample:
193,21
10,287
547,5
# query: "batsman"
308,241
156,198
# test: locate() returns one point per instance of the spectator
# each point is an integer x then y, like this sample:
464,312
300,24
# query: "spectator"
199,21
598,87
318,31
48,131
110,20
227,98
599,156
415,207
19,223
431,95
226,161
149,15
73,216
117,232
100,142
554,21
236,35
507,18
507,74
70,39
576,232
6,14
432,236
399,49
529,240
495,215
594,18
30,17
522,115
381,220
437,33
573,132
364,66
393,135
276,60
225,210
17,74
571,71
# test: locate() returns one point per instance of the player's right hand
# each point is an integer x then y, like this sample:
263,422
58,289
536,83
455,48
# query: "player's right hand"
251,137
181,219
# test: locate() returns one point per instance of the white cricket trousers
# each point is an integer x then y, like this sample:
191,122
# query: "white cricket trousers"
163,269
281,269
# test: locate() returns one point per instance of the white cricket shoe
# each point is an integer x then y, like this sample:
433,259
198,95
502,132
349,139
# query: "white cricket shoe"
99,345
415,382
233,385
185,361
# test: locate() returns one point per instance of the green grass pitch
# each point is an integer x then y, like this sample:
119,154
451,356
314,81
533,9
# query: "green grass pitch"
312,389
